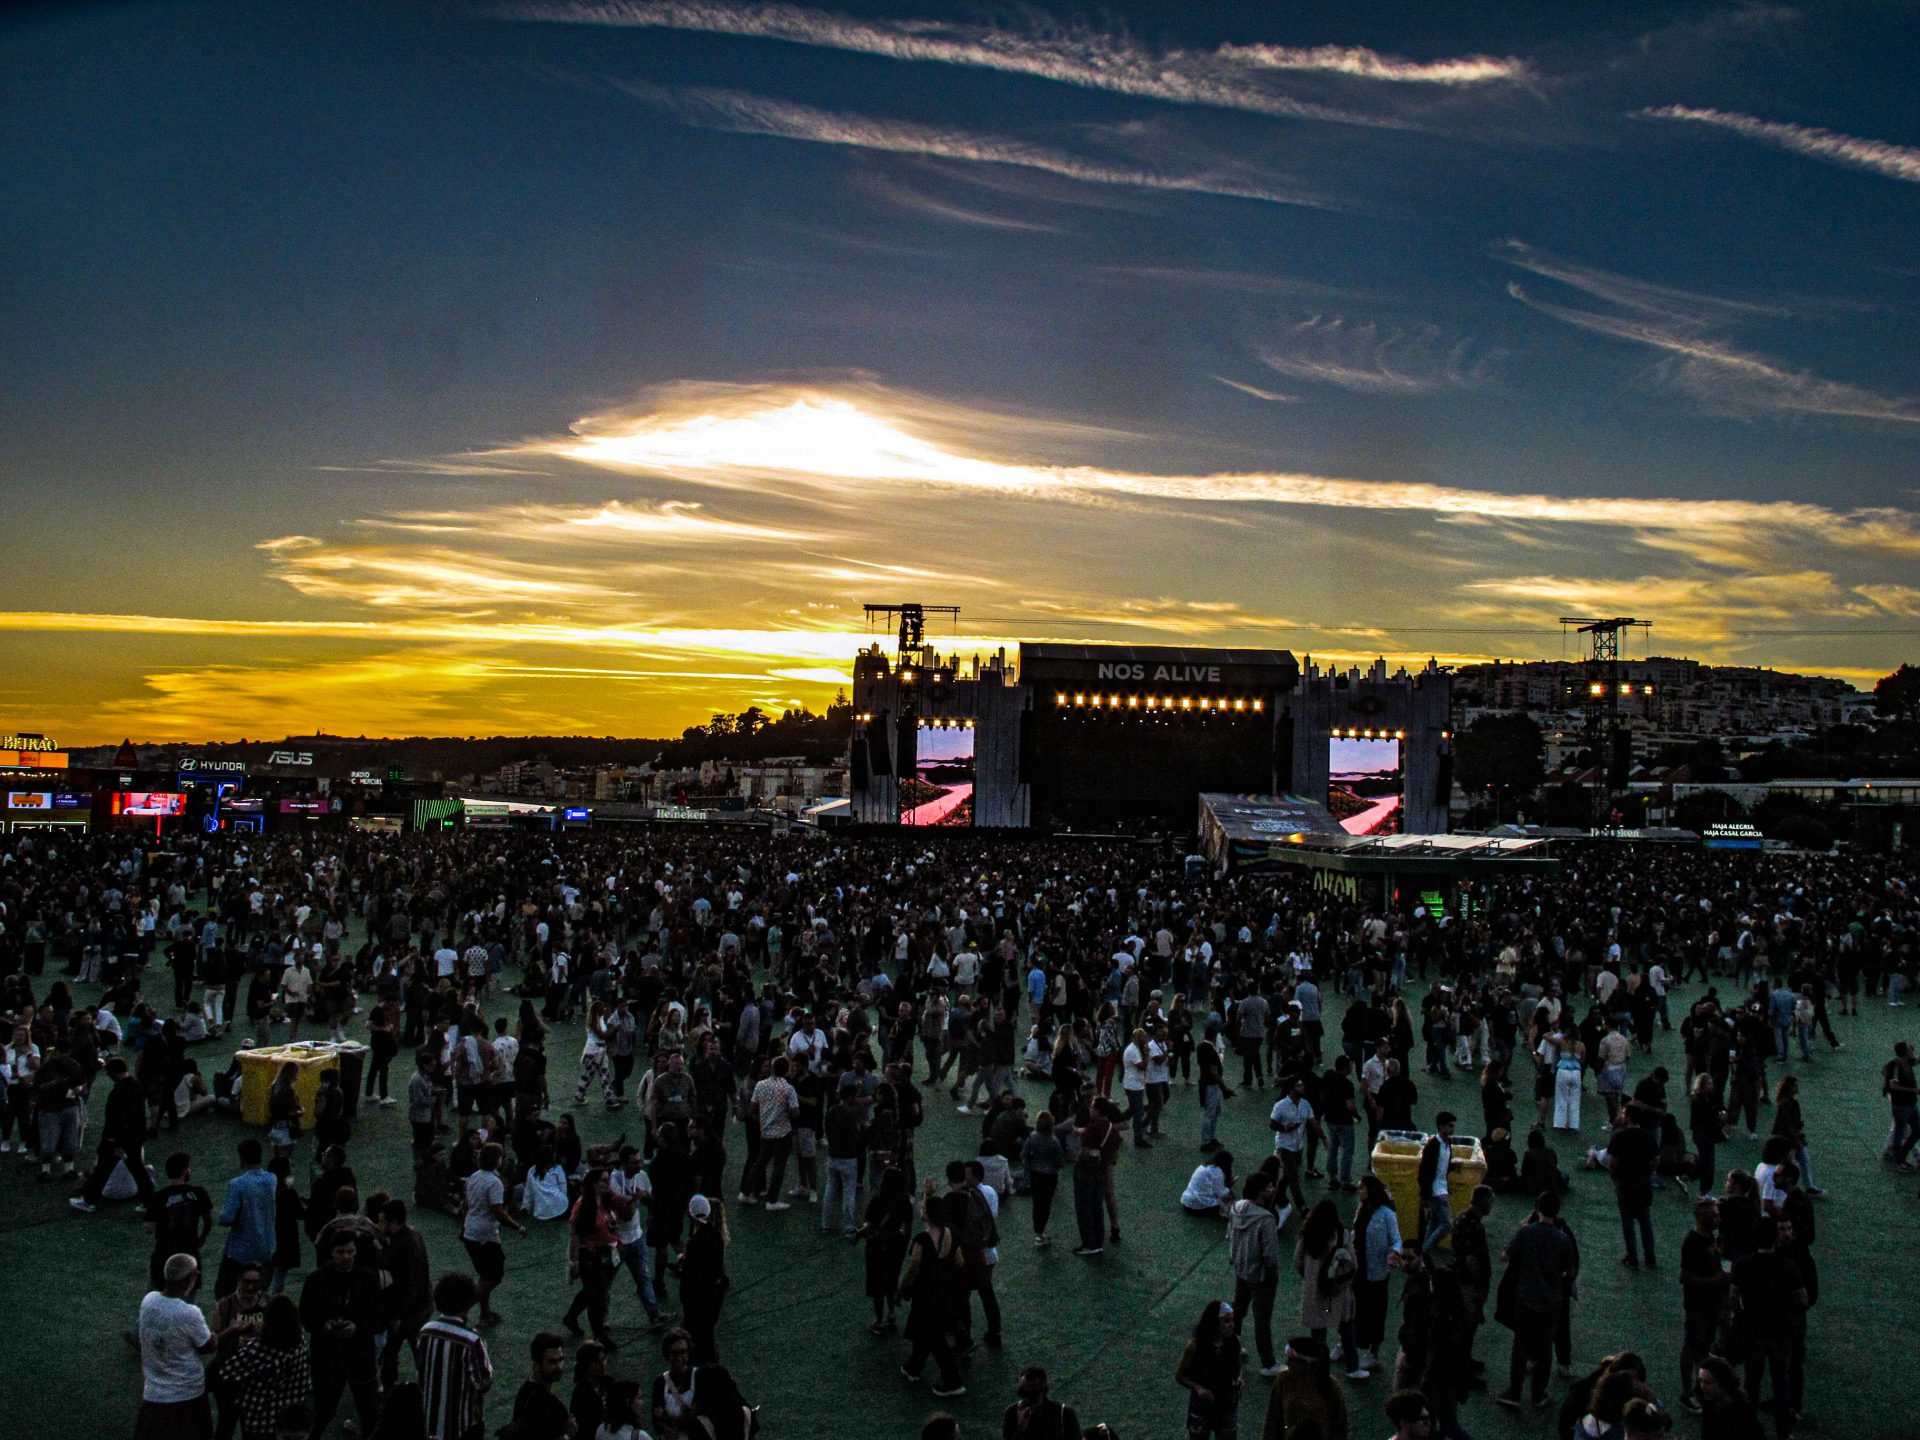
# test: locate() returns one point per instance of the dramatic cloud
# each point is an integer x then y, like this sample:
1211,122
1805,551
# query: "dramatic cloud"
1234,77
1899,162
744,114
742,437
1687,329
1375,359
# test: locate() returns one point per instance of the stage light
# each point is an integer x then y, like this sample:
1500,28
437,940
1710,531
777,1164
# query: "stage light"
1256,704
1647,689
1060,699
1186,702
1079,699
1626,687
1596,688
1113,700
1133,702
1399,734
1239,704
1096,702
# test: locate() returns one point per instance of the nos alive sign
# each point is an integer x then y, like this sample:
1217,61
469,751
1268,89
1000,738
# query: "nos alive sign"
1086,666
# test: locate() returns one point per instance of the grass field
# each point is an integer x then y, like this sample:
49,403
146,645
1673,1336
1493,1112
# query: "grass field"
1109,1330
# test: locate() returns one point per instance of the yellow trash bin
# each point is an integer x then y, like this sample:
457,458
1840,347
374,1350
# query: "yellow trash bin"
1396,1160
260,1068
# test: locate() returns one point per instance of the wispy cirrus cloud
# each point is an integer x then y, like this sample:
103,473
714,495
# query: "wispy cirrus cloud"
1376,359
1274,397
1232,77
1897,162
743,114
1687,330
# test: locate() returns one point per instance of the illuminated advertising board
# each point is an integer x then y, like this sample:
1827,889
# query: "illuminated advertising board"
150,802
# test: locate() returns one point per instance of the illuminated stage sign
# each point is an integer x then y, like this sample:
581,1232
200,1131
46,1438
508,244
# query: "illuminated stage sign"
303,807
678,812
195,765
38,743
1044,664
573,812
290,757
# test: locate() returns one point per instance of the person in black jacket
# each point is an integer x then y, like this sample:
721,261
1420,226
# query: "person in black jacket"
538,1413
703,1279
342,1309
122,1137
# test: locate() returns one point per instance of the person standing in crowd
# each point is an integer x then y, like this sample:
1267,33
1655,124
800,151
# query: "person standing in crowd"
273,1373
1292,1118
630,1195
340,1306
452,1360
1213,1091
1434,1176
1703,1294
934,1281
174,1339
703,1277
1630,1159
1097,1135
1541,1259
1034,1414
1253,1246
179,1217
1304,1400
1323,1257
538,1413
250,1214
1210,1371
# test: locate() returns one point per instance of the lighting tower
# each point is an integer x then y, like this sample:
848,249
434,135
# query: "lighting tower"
913,624
1603,699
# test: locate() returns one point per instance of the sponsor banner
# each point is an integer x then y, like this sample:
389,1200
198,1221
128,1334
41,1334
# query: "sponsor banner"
32,759
29,800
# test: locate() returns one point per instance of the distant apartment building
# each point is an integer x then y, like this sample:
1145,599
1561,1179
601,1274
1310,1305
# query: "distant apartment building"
1671,699
781,784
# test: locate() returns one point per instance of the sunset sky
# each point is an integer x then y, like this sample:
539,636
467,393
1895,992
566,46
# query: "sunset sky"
534,367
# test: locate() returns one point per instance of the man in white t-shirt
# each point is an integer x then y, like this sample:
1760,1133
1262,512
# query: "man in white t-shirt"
1292,1118
633,1194
173,1337
1133,1080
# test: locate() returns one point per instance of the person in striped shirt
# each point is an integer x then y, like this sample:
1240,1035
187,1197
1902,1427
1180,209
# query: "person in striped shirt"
455,1369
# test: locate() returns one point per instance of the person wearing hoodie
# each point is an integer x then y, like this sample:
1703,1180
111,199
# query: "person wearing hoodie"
1253,1241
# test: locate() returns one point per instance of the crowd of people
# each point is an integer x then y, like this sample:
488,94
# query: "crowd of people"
778,1014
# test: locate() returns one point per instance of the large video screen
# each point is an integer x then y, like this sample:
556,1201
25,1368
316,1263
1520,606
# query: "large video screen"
150,802
1365,785
940,790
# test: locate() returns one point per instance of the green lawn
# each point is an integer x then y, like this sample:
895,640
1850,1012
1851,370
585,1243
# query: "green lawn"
1109,1330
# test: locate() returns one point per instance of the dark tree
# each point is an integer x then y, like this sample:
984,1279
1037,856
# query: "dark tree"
1897,696
1501,758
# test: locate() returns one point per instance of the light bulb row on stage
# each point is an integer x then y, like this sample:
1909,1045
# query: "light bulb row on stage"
1154,702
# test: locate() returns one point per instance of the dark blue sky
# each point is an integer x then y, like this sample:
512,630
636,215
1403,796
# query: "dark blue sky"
1345,328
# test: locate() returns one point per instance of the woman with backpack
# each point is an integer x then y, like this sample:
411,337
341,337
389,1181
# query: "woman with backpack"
1325,1260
